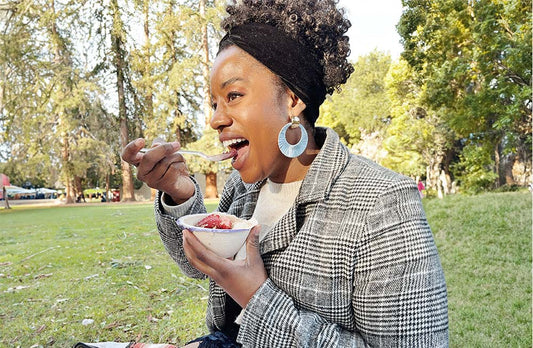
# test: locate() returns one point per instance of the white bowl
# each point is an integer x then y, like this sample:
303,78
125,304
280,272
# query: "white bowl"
224,242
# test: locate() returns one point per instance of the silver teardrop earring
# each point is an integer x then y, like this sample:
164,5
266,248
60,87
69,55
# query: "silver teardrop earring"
297,149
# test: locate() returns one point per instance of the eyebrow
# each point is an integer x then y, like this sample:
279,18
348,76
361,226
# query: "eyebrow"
230,81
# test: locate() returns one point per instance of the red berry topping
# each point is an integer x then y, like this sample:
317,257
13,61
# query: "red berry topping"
215,221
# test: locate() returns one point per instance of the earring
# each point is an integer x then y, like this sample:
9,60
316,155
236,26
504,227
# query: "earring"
297,149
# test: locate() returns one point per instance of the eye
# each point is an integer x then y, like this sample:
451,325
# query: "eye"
233,95
214,106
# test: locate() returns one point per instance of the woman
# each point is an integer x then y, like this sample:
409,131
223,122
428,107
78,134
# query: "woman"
344,255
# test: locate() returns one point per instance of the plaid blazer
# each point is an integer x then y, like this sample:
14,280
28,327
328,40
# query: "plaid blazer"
353,263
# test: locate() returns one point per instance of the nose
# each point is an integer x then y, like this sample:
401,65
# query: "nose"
220,118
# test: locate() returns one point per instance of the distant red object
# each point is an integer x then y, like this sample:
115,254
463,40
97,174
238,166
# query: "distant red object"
116,196
421,188
4,180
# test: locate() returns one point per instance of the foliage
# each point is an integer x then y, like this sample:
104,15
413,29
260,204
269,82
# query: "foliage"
408,134
464,77
49,104
474,170
58,110
168,69
473,63
362,103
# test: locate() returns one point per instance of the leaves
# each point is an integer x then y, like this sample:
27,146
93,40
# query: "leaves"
473,64
363,102
58,103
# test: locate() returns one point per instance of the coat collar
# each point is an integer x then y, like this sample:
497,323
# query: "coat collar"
327,166
324,171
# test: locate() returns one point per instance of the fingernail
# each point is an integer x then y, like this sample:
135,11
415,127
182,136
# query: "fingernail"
176,144
139,142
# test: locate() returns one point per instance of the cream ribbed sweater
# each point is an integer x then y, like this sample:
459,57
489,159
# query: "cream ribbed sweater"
273,202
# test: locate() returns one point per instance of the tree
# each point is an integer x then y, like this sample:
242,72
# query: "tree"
363,103
48,98
418,141
59,62
118,50
191,59
473,64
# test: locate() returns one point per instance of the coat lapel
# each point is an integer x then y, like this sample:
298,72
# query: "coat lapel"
327,166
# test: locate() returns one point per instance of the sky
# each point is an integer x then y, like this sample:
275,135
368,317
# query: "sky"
373,26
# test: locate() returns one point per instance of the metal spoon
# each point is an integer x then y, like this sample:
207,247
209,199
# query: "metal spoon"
215,158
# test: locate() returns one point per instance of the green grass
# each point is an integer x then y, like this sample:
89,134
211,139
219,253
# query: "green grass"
485,247
60,265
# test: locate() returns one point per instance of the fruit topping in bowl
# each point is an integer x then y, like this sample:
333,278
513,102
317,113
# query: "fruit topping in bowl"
216,221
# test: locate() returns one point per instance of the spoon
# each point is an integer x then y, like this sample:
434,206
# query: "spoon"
215,158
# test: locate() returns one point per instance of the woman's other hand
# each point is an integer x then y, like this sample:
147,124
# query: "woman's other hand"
239,278
161,168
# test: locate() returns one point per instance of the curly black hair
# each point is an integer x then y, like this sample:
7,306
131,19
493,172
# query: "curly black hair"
317,24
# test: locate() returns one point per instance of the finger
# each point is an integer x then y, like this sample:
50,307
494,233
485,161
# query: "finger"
202,258
160,148
165,172
131,153
252,244
155,155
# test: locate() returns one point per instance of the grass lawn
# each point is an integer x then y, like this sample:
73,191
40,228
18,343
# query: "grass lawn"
485,248
62,265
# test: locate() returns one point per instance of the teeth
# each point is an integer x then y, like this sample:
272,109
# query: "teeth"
228,143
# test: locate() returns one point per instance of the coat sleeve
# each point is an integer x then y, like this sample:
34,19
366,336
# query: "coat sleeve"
399,293
171,233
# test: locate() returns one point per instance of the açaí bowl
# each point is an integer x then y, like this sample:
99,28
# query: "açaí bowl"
224,242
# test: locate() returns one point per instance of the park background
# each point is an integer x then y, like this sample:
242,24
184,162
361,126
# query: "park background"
80,79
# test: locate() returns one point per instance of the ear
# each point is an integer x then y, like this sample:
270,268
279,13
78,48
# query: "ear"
295,105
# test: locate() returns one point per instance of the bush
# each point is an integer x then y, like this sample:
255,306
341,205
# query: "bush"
474,171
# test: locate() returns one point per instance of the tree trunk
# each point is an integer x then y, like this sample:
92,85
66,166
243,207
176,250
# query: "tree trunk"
147,66
6,199
69,187
107,189
507,165
498,164
205,65
119,62
79,189
522,165
61,58
433,171
127,175
4,73
211,185
211,190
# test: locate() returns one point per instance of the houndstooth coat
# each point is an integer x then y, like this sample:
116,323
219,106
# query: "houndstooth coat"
352,264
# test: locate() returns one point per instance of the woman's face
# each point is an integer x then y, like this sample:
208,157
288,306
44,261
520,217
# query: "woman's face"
250,109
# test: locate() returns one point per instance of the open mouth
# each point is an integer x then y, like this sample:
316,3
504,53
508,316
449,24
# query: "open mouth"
235,145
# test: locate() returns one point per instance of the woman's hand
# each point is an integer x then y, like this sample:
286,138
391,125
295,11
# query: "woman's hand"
161,168
239,278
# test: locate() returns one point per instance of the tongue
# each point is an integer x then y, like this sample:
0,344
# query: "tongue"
227,155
